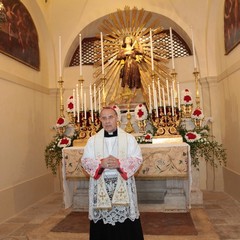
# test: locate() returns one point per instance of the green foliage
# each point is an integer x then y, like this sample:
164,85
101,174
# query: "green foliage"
206,147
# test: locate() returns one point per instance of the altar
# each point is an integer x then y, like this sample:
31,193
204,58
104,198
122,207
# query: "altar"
164,178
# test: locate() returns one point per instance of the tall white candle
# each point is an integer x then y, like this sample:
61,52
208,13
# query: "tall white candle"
85,106
77,93
172,53
178,94
159,94
80,54
60,55
173,88
168,97
95,97
155,101
150,100
74,102
164,103
102,57
172,102
81,96
91,101
99,100
194,54
151,49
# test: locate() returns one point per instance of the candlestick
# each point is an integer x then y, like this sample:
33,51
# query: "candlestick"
168,97
194,54
85,106
151,49
171,39
60,56
102,57
164,103
80,54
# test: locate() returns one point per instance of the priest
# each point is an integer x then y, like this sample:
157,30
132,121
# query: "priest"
112,157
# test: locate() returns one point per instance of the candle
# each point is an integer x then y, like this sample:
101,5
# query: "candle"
173,88
168,97
80,54
102,57
171,39
150,100
85,106
178,93
155,101
77,93
81,96
60,56
99,100
159,94
91,102
164,103
74,102
172,98
95,97
193,47
151,49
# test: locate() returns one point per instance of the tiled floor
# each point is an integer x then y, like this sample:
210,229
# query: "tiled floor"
221,210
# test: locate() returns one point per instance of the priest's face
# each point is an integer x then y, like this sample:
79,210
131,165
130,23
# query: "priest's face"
108,118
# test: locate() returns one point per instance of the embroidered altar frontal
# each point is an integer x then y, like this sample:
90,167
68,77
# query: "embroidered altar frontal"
159,161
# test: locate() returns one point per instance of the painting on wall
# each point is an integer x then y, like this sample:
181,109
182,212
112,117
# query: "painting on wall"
231,24
18,34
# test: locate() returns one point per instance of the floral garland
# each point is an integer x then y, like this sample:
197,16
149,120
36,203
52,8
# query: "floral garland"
140,112
146,138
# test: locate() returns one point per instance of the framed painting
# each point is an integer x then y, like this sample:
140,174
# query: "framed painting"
18,34
231,24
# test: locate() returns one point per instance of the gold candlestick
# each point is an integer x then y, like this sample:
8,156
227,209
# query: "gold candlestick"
60,82
196,75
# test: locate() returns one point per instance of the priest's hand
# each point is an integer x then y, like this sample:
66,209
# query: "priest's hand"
110,162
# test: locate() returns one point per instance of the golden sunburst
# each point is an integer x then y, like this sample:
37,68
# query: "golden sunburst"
137,25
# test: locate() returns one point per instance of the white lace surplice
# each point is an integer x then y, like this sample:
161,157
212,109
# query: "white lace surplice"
130,164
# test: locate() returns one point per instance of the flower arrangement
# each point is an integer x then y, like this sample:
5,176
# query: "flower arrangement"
140,112
197,114
202,144
70,104
65,134
146,138
117,109
186,97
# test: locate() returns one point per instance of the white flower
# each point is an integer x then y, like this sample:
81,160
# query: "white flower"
140,112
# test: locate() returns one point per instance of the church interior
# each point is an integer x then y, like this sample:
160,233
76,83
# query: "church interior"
61,62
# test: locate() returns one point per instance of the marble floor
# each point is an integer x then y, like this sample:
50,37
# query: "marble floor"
217,218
